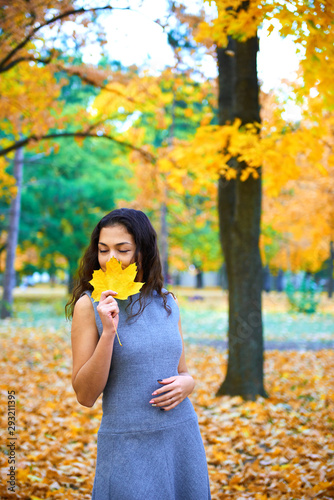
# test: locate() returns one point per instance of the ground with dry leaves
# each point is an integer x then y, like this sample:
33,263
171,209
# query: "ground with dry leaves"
276,448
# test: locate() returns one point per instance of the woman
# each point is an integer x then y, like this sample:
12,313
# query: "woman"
149,445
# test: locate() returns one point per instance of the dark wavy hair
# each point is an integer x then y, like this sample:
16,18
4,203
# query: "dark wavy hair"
145,237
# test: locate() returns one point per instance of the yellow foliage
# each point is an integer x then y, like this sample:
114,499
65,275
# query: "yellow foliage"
141,93
302,212
188,112
28,94
310,23
165,165
7,182
25,109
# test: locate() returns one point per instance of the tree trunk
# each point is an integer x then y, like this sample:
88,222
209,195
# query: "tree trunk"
164,241
279,281
266,279
163,208
72,268
330,269
199,278
239,206
12,239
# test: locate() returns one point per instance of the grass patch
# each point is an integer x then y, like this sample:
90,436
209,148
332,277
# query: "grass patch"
204,315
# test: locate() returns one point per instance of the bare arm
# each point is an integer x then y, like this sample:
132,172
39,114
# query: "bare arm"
91,355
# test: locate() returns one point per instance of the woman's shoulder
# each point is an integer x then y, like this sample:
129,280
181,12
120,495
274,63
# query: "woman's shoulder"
84,301
164,291
172,294
83,309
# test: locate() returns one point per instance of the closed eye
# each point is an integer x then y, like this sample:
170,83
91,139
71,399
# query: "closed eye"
121,251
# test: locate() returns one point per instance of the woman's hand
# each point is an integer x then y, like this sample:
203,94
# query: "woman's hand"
108,311
174,391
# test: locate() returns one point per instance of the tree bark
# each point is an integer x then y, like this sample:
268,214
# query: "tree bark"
164,209
239,207
330,270
199,278
266,279
12,239
72,268
164,241
279,281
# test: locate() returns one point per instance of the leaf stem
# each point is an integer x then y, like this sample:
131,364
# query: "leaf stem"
116,332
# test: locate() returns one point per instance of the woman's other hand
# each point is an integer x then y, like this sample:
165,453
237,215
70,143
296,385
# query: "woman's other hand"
174,391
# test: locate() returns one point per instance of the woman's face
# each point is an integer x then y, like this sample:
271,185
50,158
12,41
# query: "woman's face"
116,242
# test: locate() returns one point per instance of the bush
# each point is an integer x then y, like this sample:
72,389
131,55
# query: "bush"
305,298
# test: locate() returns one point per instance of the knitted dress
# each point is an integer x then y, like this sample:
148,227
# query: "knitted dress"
144,453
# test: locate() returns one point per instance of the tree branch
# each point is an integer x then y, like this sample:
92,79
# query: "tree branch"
21,59
24,142
89,81
3,64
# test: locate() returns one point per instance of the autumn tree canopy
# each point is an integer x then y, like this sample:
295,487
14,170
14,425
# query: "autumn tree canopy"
286,150
34,49
37,60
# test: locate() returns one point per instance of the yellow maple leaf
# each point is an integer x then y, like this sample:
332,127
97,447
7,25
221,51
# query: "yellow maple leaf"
117,279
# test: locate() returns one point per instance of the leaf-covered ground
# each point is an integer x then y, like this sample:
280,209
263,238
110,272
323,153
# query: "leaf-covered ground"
276,448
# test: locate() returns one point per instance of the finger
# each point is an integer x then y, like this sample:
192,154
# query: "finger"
165,388
106,306
112,311
108,300
109,310
166,380
166,398
170,407
107,293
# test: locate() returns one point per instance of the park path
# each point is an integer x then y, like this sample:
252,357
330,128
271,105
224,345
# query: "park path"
270,345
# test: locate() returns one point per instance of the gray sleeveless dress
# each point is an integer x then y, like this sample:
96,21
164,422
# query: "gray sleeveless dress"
144,453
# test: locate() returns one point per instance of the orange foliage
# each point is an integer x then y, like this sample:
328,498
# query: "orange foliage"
164,180
280,147
299,203
29,101
29,92
310,24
